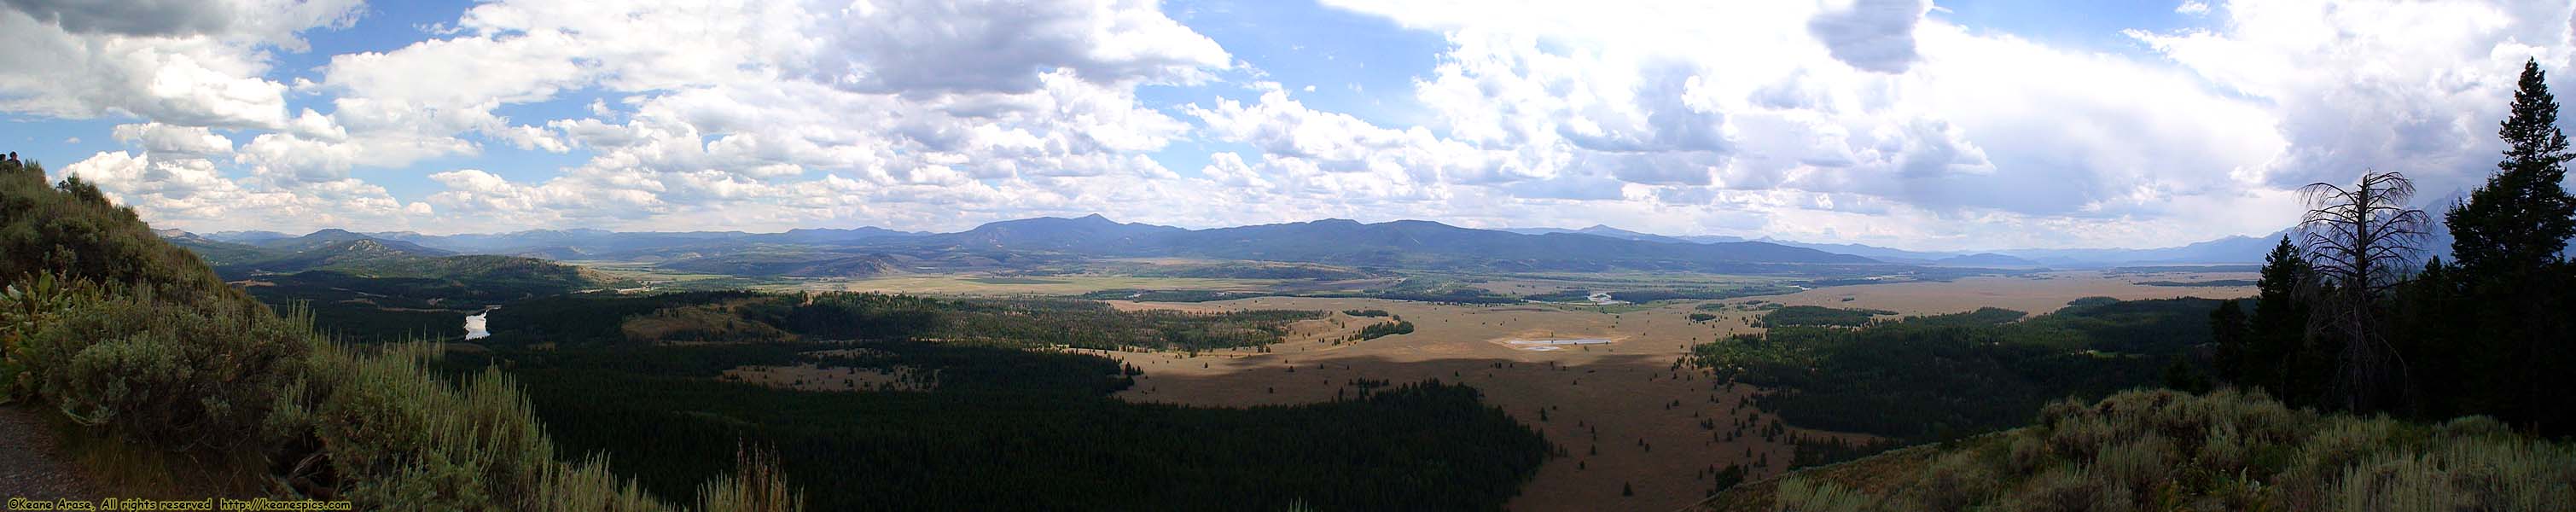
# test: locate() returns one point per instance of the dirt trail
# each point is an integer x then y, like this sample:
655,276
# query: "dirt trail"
32,464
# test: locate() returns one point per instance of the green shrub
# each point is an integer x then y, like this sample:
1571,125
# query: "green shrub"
2024,454
2141,464
1952,482
183,378
2079,439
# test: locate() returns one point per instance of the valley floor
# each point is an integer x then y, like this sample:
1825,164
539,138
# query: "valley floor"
1612,395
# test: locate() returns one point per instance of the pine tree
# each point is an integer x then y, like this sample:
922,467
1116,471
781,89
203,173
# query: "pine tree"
2508,239
2521,219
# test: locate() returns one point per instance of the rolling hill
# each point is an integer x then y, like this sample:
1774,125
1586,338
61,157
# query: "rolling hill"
348,254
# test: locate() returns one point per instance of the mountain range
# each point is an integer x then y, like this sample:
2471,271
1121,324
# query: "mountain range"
1021,243
2228,250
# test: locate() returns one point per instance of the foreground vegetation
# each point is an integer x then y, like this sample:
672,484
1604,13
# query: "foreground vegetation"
137,341
2165,450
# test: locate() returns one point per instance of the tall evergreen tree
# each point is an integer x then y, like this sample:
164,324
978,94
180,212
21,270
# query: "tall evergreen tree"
2520,220
2507,240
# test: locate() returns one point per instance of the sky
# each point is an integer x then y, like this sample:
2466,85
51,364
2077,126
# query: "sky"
1902,123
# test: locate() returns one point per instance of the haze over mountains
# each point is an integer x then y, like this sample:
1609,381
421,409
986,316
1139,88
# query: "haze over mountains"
1399,244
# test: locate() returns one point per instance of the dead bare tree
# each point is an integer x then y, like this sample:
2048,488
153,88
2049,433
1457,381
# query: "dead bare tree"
2359,241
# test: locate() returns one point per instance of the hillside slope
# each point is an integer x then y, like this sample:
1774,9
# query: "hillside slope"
112,327
367,256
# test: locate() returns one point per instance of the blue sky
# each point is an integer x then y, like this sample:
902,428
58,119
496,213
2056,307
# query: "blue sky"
1951,125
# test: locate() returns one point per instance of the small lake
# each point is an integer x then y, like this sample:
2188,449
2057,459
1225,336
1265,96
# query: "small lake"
475,328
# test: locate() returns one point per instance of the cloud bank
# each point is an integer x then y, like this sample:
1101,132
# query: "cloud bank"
1873,121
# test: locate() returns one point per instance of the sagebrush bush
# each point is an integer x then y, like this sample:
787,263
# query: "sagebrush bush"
1952,482
2337,444
2024,454
2079,439
2143,464
184,378
2221,451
